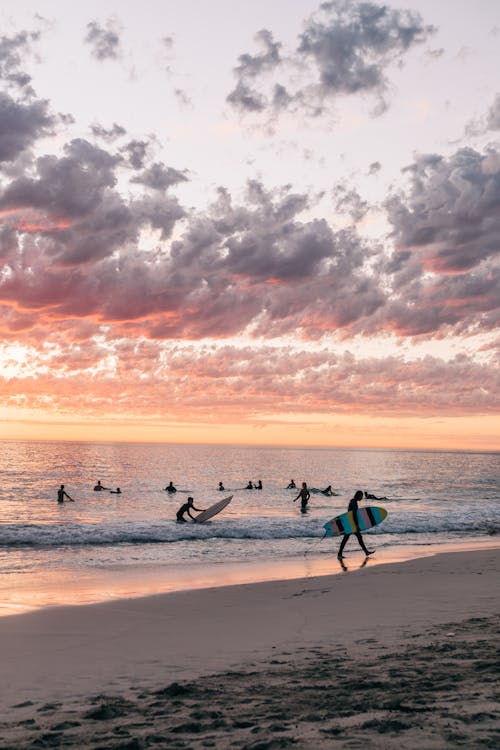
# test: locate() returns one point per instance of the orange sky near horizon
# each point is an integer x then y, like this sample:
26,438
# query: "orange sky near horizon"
450,433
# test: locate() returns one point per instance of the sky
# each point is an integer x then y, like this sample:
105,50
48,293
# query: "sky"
266,222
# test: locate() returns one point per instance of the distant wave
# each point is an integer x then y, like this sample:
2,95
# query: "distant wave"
165,532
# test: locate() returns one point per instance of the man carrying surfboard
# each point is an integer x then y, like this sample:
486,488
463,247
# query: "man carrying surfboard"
187,508
353,506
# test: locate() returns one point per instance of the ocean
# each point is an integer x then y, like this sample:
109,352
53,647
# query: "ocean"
105,546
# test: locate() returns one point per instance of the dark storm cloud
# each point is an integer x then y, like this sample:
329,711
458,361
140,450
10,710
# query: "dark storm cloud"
346,48
21,124
103,40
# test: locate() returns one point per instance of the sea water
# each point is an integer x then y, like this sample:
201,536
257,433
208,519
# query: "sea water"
106,545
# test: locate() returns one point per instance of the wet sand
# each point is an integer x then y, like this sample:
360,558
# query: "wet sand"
396,656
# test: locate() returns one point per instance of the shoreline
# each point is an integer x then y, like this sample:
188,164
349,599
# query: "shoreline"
126,582
381,658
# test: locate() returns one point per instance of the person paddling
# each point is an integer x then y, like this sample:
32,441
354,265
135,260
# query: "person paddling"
353,506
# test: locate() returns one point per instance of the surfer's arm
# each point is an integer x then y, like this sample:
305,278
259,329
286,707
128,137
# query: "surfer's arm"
198,510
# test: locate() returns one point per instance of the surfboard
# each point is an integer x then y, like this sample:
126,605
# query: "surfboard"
346,523
213,510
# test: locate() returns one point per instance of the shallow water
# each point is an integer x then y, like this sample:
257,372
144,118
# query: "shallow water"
104,543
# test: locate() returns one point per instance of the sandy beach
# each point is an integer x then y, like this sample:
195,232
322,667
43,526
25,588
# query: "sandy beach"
401,655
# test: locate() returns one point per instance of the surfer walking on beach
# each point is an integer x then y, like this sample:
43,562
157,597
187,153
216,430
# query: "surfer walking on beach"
304,495
353,506
187,508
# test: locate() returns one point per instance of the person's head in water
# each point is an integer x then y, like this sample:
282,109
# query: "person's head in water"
358,495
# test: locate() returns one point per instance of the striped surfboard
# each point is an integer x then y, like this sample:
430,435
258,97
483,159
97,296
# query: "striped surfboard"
348,524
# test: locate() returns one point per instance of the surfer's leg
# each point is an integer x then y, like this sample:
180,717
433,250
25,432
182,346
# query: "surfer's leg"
342,545
362,544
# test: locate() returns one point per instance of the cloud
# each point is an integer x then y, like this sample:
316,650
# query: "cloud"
348,201
160,177
493,115
104,40
13,50
346,48
21,124
165,380
450,216
108,134
76,244
445,269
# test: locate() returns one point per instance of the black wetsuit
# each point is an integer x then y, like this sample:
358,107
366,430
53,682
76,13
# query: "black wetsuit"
185,509
353,505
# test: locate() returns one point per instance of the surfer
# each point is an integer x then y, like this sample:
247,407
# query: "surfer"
353,506
187,508
327,491
369,496
258,486
292,485
170,488
99,486
249,485
116,492
61,494
304,495
221,487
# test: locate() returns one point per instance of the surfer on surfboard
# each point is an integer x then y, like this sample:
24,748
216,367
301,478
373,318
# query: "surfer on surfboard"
353,506
187,508
369,496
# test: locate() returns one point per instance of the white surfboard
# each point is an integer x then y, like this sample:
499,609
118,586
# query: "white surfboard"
213,510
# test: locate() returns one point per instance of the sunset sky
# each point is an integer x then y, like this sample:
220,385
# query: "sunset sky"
265,222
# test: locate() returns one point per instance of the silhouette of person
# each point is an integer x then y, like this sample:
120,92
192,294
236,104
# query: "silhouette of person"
61,494
187,508
99,486
170,488
304,495
258,486
116,492
327,491
249,486
369,496
221,487
292,485
353,505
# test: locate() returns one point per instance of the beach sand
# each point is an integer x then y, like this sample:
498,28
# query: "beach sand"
395,656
